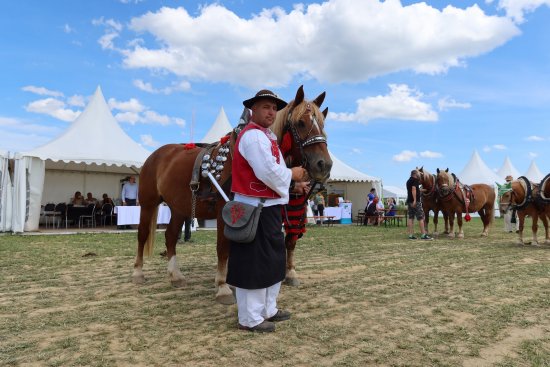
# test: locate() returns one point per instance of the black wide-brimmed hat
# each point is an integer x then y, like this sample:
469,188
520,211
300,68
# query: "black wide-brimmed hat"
265,94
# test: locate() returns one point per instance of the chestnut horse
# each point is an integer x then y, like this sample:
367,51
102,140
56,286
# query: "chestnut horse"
524,198
171,175
430,200
454,197
544,194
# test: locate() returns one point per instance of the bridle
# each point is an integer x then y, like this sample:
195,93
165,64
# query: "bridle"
308,140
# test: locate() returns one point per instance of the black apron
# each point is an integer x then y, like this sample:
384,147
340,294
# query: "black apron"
262,263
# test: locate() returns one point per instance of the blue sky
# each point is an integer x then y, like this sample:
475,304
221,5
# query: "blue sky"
408,83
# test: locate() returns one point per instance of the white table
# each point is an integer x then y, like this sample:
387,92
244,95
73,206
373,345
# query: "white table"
130,215
333,211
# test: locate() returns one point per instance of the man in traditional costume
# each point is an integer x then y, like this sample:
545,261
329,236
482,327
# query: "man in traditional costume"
259,173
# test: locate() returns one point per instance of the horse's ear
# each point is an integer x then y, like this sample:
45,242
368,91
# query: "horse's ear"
299,96
320,98
325,112
438,170
421,169
447,170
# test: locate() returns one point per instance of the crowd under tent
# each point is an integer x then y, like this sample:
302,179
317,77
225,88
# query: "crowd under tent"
351,184
92,155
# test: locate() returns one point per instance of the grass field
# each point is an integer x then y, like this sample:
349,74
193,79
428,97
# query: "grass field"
369,296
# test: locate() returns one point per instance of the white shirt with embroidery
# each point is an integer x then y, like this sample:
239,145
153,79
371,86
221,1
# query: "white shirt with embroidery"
255,147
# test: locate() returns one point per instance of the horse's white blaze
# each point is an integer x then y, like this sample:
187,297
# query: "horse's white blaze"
173,269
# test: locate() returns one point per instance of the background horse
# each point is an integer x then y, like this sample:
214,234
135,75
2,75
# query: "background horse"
523,196
173,174
454,197
430,200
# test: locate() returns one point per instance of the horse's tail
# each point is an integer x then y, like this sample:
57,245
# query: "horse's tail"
150,242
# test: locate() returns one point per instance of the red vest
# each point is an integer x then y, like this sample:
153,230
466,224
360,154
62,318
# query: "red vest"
244,180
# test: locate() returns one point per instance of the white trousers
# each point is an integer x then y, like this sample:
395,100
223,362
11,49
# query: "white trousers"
256,305
508,225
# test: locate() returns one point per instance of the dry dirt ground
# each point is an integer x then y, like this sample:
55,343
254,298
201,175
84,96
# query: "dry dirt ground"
368,296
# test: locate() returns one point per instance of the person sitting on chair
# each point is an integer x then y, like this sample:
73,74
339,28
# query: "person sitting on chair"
91,200
78,199
106,200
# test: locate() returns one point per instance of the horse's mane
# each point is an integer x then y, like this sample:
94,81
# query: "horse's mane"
297,112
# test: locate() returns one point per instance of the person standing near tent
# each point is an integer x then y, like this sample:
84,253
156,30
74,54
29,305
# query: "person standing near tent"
319,205
129,193
414,206
259,174
511,223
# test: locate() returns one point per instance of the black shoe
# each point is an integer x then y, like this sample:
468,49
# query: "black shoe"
281,315
264,327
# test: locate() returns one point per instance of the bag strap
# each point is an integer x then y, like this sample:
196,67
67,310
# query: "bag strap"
261,204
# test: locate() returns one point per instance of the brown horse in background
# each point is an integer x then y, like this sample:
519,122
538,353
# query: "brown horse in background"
454,197
170,175
430,200
544,196
524,198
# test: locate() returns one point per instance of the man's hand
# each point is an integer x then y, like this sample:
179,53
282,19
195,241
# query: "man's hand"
301,188
299,174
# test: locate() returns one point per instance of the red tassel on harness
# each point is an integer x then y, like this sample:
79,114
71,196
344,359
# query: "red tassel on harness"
286,144
224,139
189,146
467,217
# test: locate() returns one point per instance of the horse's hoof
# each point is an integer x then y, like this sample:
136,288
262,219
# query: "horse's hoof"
451,235
534,243
180,283
138,279
226,299
292,282
484,234
460,235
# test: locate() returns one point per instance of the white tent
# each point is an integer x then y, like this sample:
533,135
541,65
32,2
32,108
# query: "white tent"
476,171
533,173
508,169
93,155
219,128
351,184
6,195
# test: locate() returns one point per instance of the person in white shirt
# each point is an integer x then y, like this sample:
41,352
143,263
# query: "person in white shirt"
259,172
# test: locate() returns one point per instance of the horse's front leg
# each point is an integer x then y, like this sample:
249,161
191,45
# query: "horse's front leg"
436,221
459,222
291,278
521,218
544,219
535,228
451,233
484,215
171,237
224,295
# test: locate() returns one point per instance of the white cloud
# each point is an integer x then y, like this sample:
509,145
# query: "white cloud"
112,31
356,151
516,9
175,87
430,154
109,23
403,103
333,41
19,135
488,148
54,108
534,138
67,29
42,91
76,100
106,41
447,103
533,155
405,156
132,105
132,111
148,141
